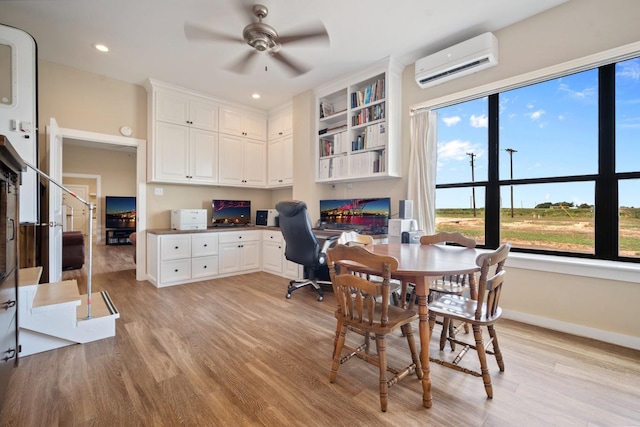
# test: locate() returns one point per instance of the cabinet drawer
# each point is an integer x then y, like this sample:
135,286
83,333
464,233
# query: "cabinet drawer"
240,236
8,301
8,347
272,236
204,267
175,271
175,247
205,244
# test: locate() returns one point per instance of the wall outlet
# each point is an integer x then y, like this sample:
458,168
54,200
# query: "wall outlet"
159,191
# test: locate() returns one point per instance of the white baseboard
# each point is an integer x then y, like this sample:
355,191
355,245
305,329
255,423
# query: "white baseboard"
573,329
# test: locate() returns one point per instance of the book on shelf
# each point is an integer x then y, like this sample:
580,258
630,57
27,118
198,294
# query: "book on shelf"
337,128
326,110
374,92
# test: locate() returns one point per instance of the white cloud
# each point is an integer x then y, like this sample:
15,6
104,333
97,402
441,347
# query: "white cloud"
536,114
480,121
630,70
456,150
560,117
450,121
586,94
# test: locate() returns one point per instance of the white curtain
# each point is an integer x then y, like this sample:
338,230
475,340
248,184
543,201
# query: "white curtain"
422,169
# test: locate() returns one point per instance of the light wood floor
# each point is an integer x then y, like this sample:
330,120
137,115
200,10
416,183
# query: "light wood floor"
235,352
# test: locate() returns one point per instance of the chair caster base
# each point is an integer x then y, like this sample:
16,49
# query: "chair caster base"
288,296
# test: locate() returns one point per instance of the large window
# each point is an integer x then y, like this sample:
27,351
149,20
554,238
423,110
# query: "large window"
553,167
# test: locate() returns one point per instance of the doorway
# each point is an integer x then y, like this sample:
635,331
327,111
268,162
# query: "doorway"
98,140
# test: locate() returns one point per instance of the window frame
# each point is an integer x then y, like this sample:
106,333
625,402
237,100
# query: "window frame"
606,221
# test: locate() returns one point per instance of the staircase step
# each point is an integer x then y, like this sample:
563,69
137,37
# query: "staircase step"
101,306
54,294
29,276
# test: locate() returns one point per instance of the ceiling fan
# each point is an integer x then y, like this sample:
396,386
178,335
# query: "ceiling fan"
260,37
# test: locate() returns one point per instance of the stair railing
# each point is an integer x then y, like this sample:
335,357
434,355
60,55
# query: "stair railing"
90,206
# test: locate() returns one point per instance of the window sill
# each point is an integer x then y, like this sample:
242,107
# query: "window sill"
609,270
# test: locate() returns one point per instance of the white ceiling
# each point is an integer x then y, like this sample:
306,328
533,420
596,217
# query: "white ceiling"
147,39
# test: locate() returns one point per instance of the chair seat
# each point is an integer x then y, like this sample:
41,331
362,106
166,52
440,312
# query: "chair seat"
397,317
461,308
448,287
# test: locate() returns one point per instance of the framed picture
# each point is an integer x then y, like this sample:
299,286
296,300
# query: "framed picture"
327,109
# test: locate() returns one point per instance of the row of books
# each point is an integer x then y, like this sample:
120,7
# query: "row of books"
339,144
372,93
367,163
375,135
375,112
333,167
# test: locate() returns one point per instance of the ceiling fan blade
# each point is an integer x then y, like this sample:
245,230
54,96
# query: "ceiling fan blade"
240,66
202,33
297,69
319,34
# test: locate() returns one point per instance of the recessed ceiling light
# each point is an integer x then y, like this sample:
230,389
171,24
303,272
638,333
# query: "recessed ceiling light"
256,96
101,47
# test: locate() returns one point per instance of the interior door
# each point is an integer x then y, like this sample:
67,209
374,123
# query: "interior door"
79,209
54,141
18,110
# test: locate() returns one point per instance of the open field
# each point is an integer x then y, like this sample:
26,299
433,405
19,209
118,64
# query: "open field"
553,229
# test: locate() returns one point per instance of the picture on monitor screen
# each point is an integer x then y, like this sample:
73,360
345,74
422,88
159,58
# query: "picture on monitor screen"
120,212
366,215
230,212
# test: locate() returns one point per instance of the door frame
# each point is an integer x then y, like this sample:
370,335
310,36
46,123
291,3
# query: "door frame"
98,179
141,184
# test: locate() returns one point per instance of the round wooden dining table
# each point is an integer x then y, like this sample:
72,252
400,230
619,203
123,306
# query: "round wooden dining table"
420,264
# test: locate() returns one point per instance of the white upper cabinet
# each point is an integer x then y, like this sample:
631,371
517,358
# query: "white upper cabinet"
280,124
243,123
188,110
242,162
183,133
280,147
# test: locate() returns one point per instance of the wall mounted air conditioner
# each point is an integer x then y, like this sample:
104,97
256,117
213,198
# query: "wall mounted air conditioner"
456,61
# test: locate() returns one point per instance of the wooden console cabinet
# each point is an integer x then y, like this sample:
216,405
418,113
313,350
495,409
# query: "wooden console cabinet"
11,166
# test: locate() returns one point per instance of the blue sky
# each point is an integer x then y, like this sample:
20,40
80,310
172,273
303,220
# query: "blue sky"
553,128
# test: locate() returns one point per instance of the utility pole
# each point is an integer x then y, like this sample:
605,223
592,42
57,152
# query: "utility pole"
511,151
473,179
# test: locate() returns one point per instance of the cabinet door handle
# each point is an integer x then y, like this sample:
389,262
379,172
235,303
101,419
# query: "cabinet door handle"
176,248
205,245
8,304
176,270
11,353
13,229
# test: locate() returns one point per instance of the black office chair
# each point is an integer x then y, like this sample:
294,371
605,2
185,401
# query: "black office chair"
302,246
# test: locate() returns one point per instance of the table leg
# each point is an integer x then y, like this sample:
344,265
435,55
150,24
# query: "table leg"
423,326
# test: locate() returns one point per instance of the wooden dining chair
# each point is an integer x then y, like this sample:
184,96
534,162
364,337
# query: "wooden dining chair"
363,306
353,238
483,312
457,284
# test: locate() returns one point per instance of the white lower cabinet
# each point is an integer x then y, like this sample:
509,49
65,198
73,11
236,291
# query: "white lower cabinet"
239,251
177,258
273,258
272,252
173,259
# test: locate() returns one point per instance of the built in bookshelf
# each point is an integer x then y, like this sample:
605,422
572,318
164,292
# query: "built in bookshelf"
359,125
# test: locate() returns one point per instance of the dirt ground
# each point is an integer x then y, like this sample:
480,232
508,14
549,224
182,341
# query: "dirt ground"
476,225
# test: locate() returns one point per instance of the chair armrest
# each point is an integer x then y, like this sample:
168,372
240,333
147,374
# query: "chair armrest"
328,242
